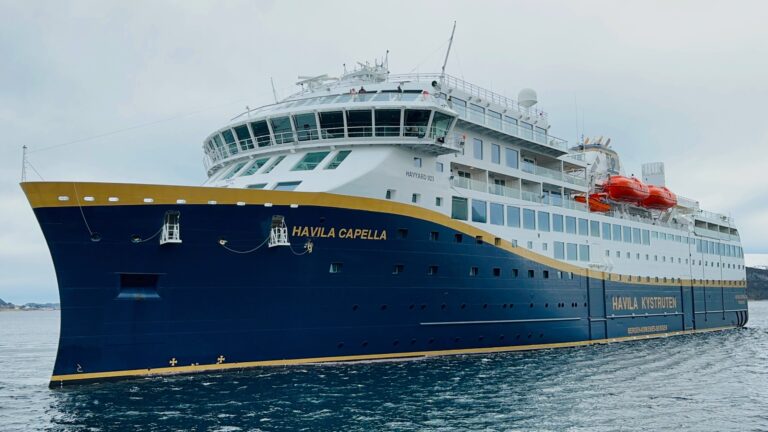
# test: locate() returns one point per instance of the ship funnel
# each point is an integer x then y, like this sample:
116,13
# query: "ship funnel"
527,97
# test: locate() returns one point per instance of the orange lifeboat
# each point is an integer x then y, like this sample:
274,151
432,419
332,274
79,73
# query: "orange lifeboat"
625,189
596,202
659,198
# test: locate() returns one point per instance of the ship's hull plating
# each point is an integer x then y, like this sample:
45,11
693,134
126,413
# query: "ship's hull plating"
133,308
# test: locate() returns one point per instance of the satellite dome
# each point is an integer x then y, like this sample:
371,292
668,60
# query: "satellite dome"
527,97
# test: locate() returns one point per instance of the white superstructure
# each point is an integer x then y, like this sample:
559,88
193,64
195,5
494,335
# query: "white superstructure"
443,144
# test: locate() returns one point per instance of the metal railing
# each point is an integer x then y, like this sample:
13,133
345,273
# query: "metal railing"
501,190
553,174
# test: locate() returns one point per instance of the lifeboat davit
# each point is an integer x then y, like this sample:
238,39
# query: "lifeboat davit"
626,189
596,202
659,198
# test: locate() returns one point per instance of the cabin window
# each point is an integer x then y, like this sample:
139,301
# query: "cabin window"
495,153
390,194
617,233
477,113
570,225
251,170
306,126
415,198
398,268
439,167
627,234
511,157
438,201
559,250
338,159
331,124
636,236
571,251
583,227
497,214
529,219
274,164
494,119
557,223
477,148
460,106
416,122
479,211
584,253
459,209
510,125
473,271
256,186
543,221
432,270
335,267
606,231
261,133
387,122
281,126
513,216
594,228
359,123
417,162
310,161
286,186
646,237
244,137
229,138
440,124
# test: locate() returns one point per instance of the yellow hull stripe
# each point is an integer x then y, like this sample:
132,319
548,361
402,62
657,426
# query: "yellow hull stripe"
288,362
47,194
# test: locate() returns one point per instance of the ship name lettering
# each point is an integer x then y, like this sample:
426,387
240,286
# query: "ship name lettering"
420,176
342,233
632,303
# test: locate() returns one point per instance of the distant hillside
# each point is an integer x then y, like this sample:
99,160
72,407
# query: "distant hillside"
29,306
757,283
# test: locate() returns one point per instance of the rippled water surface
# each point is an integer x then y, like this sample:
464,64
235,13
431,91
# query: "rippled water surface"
706,382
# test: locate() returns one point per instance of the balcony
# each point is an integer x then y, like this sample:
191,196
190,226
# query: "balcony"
552,174
499,190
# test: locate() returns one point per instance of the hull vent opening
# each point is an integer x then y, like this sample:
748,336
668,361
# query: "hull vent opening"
171,228
278,233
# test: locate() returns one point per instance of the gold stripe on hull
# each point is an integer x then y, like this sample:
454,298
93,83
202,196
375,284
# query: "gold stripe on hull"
56,379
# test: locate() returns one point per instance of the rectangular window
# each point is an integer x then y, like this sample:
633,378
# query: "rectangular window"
559,250
286,186
274,164
415,123
439,166
494,119
438,201
310,161
281,127
473,271
570,225
388,122
594,228
432,270
331,124
390,194
510,125
459,208
511,157
256,186
497,214
359,123
571,252
477,113
251,170
617,232
531,274
529,219
543,221
646,237
434,235
495,153
234,170
636,235
229,138
335,268
477,148
513,216
583,227
415,198
261,133
398,268
460,106
606,231
479,211
306,126
338,159
417,162
627,231
557,223
584,253
244,137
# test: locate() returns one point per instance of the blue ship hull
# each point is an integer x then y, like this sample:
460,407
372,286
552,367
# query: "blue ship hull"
132,307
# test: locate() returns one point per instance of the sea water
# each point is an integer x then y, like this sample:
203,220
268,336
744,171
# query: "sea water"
704,382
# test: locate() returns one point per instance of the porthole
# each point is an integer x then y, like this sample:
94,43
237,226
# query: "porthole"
431,340
355,307
396,342
463,305
365,343
383,307
340,345
411,307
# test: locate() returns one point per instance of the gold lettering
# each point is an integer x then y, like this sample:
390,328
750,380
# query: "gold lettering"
296,231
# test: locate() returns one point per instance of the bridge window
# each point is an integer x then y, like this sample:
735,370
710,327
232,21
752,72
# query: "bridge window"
306,126
338,159
416,123
387,122
332,124
459,209
440,124
229,138
359,123
281,126
479,211
286,186
261,133
251,170
310,161
274,164
513,216
244,137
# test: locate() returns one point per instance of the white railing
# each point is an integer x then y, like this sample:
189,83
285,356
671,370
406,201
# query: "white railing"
553,174
501,190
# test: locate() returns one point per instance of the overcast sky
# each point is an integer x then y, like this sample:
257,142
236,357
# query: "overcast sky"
683,82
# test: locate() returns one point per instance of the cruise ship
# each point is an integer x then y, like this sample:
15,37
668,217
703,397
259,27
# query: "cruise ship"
380,216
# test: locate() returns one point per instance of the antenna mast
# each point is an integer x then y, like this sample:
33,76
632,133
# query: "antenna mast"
274,92
23,163
450,43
